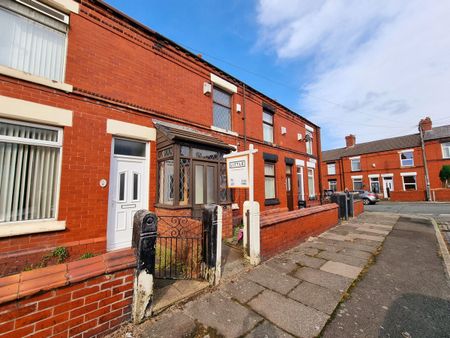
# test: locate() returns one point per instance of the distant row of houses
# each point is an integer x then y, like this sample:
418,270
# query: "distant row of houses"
398,168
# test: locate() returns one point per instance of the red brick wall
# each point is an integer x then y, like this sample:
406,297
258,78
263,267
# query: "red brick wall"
39,303
408,196
440,195
358,208
280,232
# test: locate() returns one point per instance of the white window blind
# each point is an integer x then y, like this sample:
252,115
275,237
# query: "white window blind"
311,188
32,42
29,171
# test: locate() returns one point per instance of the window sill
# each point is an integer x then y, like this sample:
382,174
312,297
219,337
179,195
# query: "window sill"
25,228
271,201
35,79
224,131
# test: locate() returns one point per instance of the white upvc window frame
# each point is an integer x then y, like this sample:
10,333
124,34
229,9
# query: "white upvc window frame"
65,7
358,178
333,166
444,146
353,160
400,153
309,143
16,228
334,184
413,174
311,187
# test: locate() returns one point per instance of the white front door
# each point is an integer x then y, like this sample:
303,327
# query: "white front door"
128,191
388,186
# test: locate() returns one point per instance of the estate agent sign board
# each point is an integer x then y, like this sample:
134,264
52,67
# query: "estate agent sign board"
238,172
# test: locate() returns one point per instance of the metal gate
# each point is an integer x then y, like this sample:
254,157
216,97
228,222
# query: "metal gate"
179,247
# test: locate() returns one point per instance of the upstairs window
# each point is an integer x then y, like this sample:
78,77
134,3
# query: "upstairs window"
29,171
446,150
309,145
33,38
407,158
331,167
221,109
268,126
355,164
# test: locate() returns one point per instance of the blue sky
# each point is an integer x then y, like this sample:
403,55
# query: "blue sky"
371,68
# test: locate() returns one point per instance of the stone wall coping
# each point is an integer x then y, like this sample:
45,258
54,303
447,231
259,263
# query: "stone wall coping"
272,219
28,283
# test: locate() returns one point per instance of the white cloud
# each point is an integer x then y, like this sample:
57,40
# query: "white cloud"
379,66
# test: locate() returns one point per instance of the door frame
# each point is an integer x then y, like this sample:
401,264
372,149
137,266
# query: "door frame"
113,167
290,192
389,178
205,164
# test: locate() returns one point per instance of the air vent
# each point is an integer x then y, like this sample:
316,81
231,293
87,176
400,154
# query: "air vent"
49,11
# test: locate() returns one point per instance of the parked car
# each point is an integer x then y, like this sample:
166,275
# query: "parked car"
367,196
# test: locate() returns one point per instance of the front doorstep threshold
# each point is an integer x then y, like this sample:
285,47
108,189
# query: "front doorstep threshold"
175,293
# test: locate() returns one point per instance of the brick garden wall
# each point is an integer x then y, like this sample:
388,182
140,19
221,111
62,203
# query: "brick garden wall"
408,196
440,195
79,299
283,231
358,208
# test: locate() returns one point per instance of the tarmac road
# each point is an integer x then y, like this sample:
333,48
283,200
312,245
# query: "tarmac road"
419,208
404,294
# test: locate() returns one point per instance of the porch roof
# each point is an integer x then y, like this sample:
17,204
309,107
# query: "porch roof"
177,132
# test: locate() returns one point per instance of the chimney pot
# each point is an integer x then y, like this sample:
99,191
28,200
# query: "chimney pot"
350,140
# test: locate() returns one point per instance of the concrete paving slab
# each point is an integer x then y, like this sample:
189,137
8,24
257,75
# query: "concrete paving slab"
316,296
375,226
367,237
337,257
281,264
229,318
357,245
164,326
319,244
302,248
270,279
355,253
341,269
242,290
323,278
372,244
304,260
374,231
335,237
292,316
268,330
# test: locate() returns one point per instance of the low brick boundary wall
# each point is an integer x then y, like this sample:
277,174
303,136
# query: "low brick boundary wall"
358,208
408,196
440,195
283,231
78,299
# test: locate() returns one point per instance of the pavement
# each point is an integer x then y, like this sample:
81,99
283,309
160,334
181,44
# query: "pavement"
405,294
291,295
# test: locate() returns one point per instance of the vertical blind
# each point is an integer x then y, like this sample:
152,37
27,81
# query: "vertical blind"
29,172
31,46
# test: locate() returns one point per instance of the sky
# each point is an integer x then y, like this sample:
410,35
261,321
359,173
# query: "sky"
369,68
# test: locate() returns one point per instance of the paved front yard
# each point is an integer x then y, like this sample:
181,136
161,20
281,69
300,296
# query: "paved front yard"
293,294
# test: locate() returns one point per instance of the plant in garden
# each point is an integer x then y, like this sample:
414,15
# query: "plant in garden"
61,254
444,175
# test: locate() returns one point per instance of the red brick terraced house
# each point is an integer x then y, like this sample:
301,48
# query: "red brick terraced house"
101,116
394,167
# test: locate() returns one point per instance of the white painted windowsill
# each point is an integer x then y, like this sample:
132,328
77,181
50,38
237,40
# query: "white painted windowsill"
224,131
35,79
24,228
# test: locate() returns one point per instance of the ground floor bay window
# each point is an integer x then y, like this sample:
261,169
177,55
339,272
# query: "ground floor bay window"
190,174
29,171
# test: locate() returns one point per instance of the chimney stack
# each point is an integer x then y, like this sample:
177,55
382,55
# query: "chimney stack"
425,124
350,140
